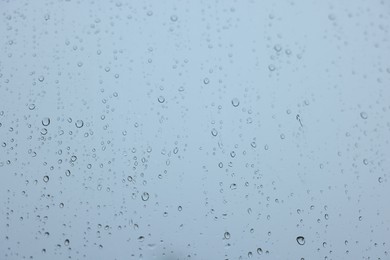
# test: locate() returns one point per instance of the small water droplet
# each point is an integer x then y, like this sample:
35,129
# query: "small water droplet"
46,121
300,240
235,102
226,235
46,178
145,196
79,123
363,115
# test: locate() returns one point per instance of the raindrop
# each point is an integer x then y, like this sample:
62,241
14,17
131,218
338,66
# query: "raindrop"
363,115
161,99
46,121
43,131
214,132
301,240
173,18
206,81
46,178
259,251
79,123
235,102
145,196
277,48
226,235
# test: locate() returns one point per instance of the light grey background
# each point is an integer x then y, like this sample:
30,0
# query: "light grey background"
144,94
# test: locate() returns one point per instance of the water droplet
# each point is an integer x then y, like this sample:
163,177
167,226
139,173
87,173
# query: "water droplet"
301,240
271,67
79,123
66,242
41,78
46,178
46,121
31,106
161,99
277,48
235,102
67,173
214,132
173,18
226,235
43,131
145,196
259,251
206,81
363,115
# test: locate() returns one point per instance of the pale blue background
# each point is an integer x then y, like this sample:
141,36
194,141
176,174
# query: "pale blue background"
322,175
